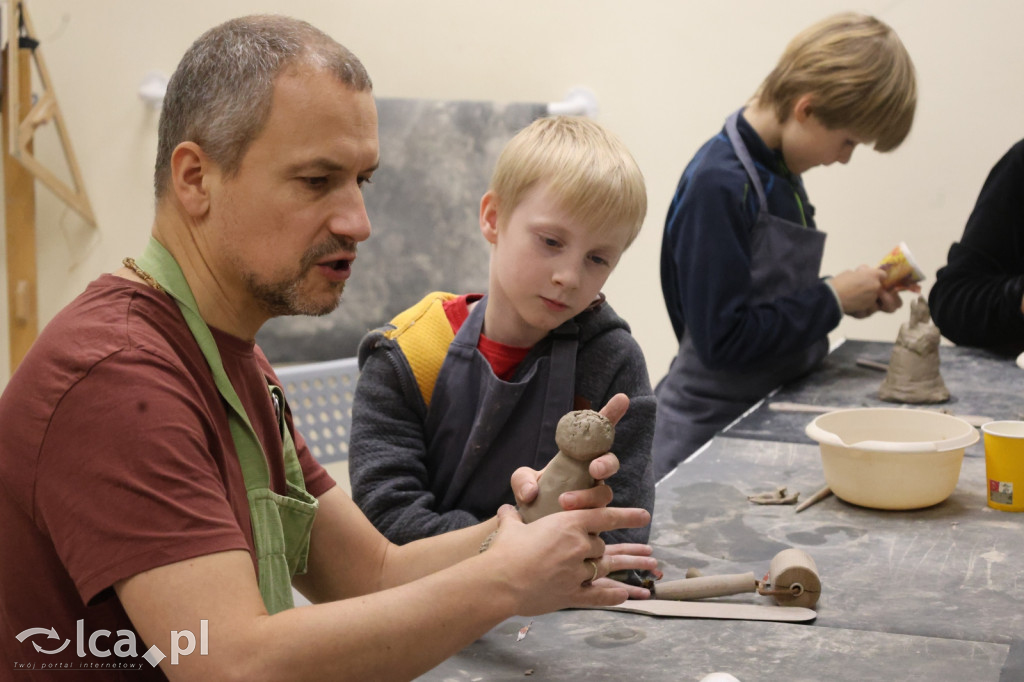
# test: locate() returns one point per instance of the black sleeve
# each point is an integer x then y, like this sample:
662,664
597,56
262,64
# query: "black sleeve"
976,298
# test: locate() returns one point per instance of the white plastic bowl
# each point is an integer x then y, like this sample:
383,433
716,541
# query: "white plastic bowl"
891,458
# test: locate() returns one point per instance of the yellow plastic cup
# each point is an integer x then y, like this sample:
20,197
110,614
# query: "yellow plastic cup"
1004,464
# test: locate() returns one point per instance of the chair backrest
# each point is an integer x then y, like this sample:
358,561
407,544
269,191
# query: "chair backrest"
320,395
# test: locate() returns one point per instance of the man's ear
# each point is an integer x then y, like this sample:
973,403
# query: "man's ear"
191,171
489,217
803,109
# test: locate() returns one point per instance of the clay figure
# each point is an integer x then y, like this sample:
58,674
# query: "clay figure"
581,436
913,375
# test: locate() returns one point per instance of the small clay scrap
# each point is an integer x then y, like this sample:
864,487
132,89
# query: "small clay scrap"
581,436
913,375
813,499
777,497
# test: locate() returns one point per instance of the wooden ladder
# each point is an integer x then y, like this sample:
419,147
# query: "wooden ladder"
21,118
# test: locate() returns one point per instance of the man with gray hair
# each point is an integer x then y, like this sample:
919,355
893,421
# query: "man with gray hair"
157,504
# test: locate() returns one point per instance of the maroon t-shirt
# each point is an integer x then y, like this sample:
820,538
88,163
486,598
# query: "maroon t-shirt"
115,458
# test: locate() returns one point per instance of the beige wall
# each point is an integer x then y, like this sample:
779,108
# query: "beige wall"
665,72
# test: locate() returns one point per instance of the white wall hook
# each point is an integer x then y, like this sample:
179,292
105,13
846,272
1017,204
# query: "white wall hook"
152,89
579,101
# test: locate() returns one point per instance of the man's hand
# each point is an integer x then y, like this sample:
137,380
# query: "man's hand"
560,561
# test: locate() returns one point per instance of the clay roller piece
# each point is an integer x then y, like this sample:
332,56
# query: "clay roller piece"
706,586
792,579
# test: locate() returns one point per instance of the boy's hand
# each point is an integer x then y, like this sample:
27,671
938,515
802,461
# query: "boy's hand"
631,550
912,286
889,301
524,479
615,408
861,292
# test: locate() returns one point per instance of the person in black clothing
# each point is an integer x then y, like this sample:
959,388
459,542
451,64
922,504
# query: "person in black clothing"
978,296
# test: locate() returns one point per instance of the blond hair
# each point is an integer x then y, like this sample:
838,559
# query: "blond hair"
588,170
858,73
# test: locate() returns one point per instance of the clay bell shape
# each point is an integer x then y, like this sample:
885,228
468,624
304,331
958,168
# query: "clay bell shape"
913,375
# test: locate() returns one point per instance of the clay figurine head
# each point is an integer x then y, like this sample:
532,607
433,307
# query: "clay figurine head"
919,313
584,434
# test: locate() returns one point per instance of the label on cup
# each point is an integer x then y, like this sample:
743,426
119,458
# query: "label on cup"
1004,463
1000,492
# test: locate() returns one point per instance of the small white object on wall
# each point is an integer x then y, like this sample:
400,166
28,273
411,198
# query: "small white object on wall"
579,101
152,89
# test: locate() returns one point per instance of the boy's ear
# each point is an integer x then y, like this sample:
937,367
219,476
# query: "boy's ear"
191,172
489,217
803,108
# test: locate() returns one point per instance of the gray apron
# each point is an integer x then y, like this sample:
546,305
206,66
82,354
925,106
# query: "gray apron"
695,402
481,429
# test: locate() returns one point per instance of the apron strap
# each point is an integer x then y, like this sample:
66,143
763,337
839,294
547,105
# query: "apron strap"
561,377
281,524
553,399
561,373
744,156
160,264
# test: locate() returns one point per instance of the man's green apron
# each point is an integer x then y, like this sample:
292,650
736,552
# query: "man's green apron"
281,524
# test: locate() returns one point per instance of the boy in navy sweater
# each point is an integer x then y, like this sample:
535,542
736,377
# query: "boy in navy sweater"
741,253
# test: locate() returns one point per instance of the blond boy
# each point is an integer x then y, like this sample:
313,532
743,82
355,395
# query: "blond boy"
459,391
741,254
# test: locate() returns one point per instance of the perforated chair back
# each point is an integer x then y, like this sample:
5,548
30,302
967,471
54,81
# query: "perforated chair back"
320,395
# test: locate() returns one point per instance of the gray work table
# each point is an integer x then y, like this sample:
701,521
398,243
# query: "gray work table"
979,383
931,594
